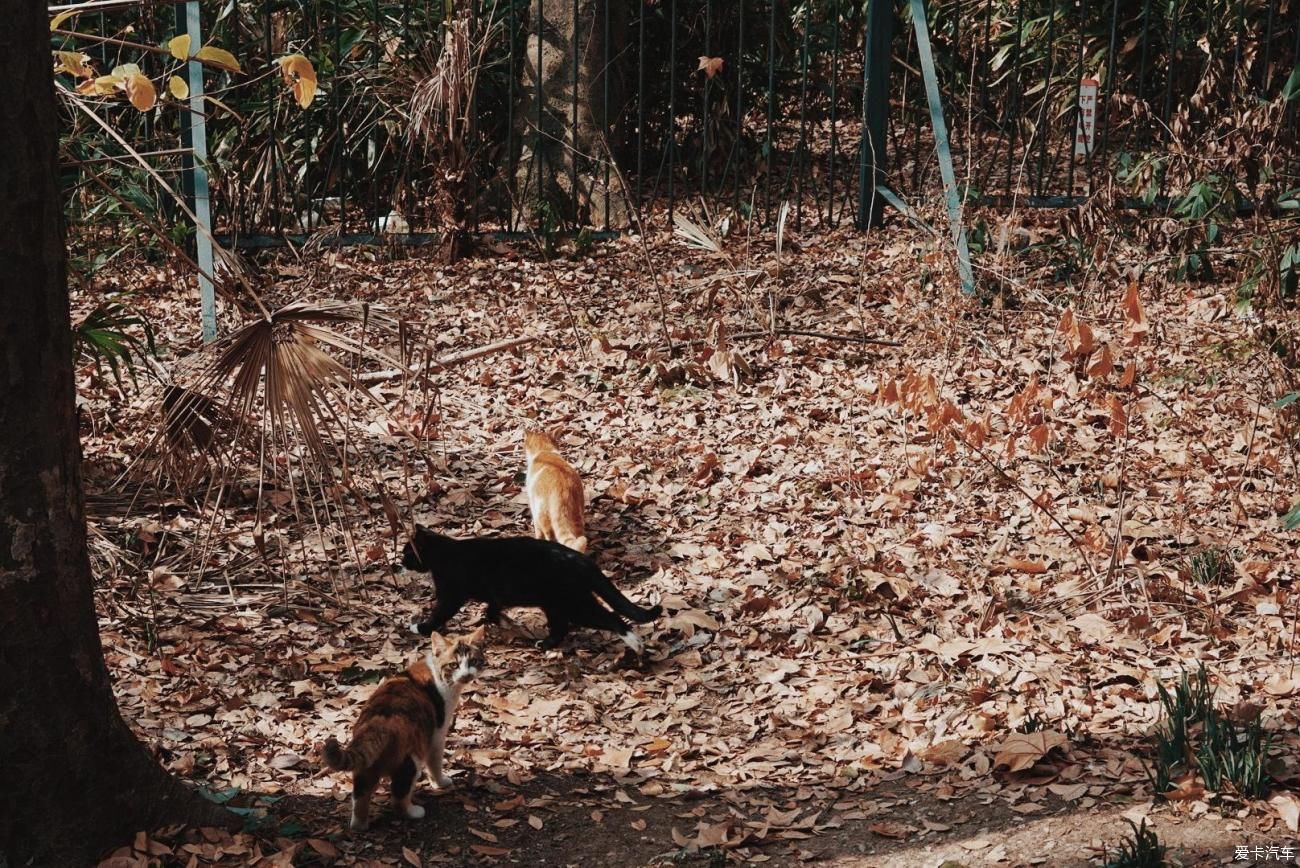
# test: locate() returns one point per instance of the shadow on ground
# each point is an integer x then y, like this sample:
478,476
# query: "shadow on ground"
593,820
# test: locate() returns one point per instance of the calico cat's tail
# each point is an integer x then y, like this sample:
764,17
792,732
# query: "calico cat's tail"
602,587
360,753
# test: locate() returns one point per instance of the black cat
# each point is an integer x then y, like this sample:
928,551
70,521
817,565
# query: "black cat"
505,572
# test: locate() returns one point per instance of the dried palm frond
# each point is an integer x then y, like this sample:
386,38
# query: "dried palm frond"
694,234
269,415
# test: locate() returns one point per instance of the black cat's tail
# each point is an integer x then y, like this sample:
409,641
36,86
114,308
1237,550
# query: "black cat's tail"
602,587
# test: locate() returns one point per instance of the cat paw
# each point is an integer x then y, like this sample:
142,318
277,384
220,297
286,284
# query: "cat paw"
420,629
358,824
444,782
413,812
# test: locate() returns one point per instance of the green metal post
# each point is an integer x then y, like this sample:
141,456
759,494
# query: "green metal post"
875,110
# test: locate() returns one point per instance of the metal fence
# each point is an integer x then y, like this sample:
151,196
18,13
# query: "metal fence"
745,104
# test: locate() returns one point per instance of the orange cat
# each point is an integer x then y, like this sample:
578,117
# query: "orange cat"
404,726
554,493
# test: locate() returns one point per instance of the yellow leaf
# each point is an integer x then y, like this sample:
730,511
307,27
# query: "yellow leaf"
178,87
73,62
126,69
218,57
179,46
140,91
300,75
58,20
106,85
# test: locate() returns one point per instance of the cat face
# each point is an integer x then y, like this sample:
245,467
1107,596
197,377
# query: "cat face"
469,661
411,558
462,659
413,554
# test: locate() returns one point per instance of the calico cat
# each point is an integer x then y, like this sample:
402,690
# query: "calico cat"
403,728
554,493
505,572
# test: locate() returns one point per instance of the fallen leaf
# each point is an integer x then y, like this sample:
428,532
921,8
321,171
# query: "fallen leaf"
1020,751
1288,809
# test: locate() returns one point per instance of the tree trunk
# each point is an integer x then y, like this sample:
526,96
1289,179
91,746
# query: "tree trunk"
74,781
555,150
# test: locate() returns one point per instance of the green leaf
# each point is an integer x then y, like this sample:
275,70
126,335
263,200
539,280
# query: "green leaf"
293,829
1291,520
1286,400
1291,89
220,796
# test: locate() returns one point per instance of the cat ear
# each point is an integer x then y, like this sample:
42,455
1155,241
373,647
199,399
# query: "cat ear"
476,638
437,645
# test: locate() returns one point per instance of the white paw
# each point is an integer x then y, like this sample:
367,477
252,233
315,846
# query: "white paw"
358,824
443,782
414,812
415,627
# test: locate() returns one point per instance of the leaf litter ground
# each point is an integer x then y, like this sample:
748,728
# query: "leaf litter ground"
896,633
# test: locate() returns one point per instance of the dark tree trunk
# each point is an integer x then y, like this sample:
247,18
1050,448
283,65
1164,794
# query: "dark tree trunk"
74,781
558,149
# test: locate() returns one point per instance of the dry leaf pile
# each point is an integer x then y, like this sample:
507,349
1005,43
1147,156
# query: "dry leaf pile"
951,569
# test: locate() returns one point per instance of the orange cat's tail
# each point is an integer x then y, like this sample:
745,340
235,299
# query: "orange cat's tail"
577,543
362,752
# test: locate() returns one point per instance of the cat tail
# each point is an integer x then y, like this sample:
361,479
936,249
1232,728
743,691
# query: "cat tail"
577,543
360,753
604,588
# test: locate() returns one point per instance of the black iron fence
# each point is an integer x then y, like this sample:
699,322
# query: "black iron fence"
736,104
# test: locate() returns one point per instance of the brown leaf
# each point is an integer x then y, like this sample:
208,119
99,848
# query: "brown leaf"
710,66
485,850
1039,435
891,829
1104,364
325,848
1020,751
1135,316
1118,418
412,857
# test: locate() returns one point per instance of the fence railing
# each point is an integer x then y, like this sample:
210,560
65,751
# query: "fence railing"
734,104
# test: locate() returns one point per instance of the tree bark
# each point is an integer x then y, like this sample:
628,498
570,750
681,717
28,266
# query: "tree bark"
74,781
556,151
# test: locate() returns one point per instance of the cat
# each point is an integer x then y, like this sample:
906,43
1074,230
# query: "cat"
505,572
554,493
403,728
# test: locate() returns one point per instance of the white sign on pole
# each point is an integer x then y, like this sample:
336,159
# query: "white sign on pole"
1085,132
